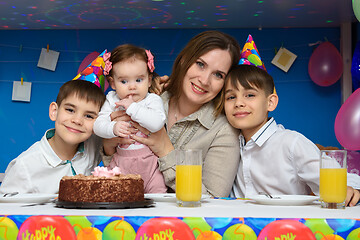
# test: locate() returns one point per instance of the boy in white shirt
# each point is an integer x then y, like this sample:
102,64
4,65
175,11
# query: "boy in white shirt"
274,160
69,149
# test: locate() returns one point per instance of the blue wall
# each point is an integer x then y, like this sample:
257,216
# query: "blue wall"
303,106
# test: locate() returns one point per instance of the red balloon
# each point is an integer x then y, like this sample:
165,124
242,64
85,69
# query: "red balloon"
286,229
325,65
87,60
165,228
46,227
347,122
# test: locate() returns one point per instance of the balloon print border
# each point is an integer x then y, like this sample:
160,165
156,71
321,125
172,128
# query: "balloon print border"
141,228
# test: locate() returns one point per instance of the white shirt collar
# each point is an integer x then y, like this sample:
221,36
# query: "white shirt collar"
263,134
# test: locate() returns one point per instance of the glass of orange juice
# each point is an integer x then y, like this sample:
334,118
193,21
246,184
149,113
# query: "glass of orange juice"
333,171
188,177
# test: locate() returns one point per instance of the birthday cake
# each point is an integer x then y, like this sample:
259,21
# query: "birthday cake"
103,186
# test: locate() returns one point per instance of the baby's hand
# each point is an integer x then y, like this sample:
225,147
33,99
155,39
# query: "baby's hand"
124,103
121,129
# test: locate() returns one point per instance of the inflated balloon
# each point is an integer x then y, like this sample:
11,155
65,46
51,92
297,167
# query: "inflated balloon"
356,8
239,232
259,223
355,67
209,235
332,237
50,227
78,222
341,225
347,122
90,233
9,228
164,228
286,229
197,224
319,226
354,234
325,65
218,222
98,220
119,229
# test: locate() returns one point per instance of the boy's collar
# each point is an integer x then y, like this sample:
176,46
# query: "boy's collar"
50,133
264,132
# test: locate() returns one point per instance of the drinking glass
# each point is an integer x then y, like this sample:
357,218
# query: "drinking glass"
333,171
188,177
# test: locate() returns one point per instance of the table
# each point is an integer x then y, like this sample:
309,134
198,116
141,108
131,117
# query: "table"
215,219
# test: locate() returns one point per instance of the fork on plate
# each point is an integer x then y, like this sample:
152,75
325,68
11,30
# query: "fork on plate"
10,194
53,200
268,195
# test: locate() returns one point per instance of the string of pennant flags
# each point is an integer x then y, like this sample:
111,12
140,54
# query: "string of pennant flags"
21,47
48,59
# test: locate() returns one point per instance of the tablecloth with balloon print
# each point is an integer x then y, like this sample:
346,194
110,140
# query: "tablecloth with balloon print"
58,227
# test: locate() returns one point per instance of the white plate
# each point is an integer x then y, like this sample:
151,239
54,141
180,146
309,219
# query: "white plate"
27,198
287,200
168,197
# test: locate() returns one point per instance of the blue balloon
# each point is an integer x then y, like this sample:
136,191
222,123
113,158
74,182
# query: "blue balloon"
355,67
341,225
98,220
218,222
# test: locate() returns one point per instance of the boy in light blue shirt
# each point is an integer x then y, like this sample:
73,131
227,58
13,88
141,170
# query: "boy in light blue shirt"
68,149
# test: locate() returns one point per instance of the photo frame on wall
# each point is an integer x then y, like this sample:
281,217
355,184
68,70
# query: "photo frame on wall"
48,59
21,91
284,59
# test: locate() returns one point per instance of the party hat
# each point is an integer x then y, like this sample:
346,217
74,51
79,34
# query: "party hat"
250,54
94,72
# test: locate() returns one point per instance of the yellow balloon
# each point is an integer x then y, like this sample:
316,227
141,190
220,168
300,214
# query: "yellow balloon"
209,235
332,237
89,233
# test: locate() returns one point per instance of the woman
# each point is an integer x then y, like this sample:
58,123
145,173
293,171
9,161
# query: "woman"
192,90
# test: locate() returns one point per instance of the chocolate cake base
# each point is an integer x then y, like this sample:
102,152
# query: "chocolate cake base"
120,188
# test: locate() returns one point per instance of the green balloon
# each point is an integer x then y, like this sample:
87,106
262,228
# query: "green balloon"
239,232
354,234
356,8
319,227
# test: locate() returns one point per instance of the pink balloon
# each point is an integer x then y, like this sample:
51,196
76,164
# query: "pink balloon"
325,65
347,122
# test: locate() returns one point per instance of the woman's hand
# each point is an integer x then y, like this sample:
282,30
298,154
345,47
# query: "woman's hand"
158,84
111,144
159,142
352,197
120,115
